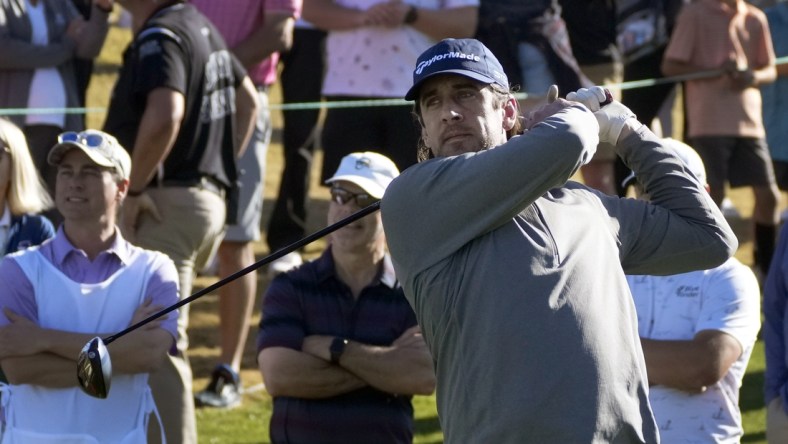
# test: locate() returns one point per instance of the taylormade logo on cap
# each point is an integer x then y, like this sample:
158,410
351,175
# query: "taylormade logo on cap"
464,57
453,55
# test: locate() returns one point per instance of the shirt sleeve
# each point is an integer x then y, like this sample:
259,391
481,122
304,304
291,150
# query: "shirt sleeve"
775,293
16,292
680,229
162,290
436,207
764,47
682,40
282,320
160,62
731,303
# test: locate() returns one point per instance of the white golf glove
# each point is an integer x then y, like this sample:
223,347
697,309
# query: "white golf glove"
610,114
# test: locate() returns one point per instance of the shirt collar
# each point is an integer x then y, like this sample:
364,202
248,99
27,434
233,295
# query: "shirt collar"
326,269
62,247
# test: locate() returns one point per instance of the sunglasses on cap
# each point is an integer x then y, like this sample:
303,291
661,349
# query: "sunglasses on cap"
343,196
92,140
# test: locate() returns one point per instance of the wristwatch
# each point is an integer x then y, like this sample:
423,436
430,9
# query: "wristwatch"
337,348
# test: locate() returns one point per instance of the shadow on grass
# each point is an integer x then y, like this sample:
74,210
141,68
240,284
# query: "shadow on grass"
754,437
751,393
426,426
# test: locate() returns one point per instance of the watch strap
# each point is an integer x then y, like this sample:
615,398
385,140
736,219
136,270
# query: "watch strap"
337,348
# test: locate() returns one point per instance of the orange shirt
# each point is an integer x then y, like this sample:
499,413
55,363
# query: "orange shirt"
707,34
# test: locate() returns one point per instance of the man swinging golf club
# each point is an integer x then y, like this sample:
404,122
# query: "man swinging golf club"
85,281
516,273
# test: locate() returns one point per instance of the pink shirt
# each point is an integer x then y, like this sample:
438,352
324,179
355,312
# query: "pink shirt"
237,19
707,34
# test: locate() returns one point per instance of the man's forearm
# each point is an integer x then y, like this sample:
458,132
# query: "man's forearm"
293,373
764,75
449,22
328,15
401,371
43,369
690,365
247,107
156,135
274,35
141,351
93,36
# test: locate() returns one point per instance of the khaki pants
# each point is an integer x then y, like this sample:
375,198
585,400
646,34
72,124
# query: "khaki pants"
776,422
190,231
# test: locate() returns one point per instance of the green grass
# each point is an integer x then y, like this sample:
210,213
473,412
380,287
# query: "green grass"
249,422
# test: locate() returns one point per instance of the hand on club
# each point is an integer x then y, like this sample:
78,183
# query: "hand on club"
553,105
610,114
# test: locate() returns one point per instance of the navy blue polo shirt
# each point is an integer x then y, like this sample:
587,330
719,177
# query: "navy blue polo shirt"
311,300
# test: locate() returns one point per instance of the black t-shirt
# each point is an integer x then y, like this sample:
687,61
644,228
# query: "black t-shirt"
179,48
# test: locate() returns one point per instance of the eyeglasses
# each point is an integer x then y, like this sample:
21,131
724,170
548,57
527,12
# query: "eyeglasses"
343,196
92,140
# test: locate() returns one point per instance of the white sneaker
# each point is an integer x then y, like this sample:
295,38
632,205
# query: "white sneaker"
729,210
285,263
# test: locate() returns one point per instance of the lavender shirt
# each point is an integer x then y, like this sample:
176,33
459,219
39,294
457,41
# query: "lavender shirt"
16,290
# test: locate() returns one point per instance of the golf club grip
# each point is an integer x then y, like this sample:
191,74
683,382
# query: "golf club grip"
266,260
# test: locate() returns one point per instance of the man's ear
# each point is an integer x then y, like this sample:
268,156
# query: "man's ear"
510,111
123,188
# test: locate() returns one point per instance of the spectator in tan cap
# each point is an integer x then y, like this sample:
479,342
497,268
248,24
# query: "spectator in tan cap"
84,282
340,350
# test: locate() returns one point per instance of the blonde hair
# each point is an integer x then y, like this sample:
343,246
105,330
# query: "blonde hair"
27,192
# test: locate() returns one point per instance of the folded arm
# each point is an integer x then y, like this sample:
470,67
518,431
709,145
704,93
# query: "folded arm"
691,365
298,374
30,354
403,368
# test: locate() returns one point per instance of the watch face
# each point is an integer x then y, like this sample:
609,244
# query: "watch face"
336,349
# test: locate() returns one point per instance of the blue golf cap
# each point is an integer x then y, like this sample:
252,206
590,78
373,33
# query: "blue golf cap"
465,57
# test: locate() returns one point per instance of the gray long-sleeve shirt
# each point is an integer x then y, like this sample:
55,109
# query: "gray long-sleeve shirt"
517,279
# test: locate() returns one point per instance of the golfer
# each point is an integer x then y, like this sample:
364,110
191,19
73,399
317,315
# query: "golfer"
516,273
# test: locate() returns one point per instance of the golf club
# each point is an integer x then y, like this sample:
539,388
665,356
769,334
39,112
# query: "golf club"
94,367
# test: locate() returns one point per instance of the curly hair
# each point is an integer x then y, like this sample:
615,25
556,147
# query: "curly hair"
423,152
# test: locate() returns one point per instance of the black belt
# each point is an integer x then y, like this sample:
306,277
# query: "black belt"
206,183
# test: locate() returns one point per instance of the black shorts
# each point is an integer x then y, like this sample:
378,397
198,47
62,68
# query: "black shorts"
739,161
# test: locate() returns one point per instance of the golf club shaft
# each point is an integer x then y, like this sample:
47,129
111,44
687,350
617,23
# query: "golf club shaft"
268,259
